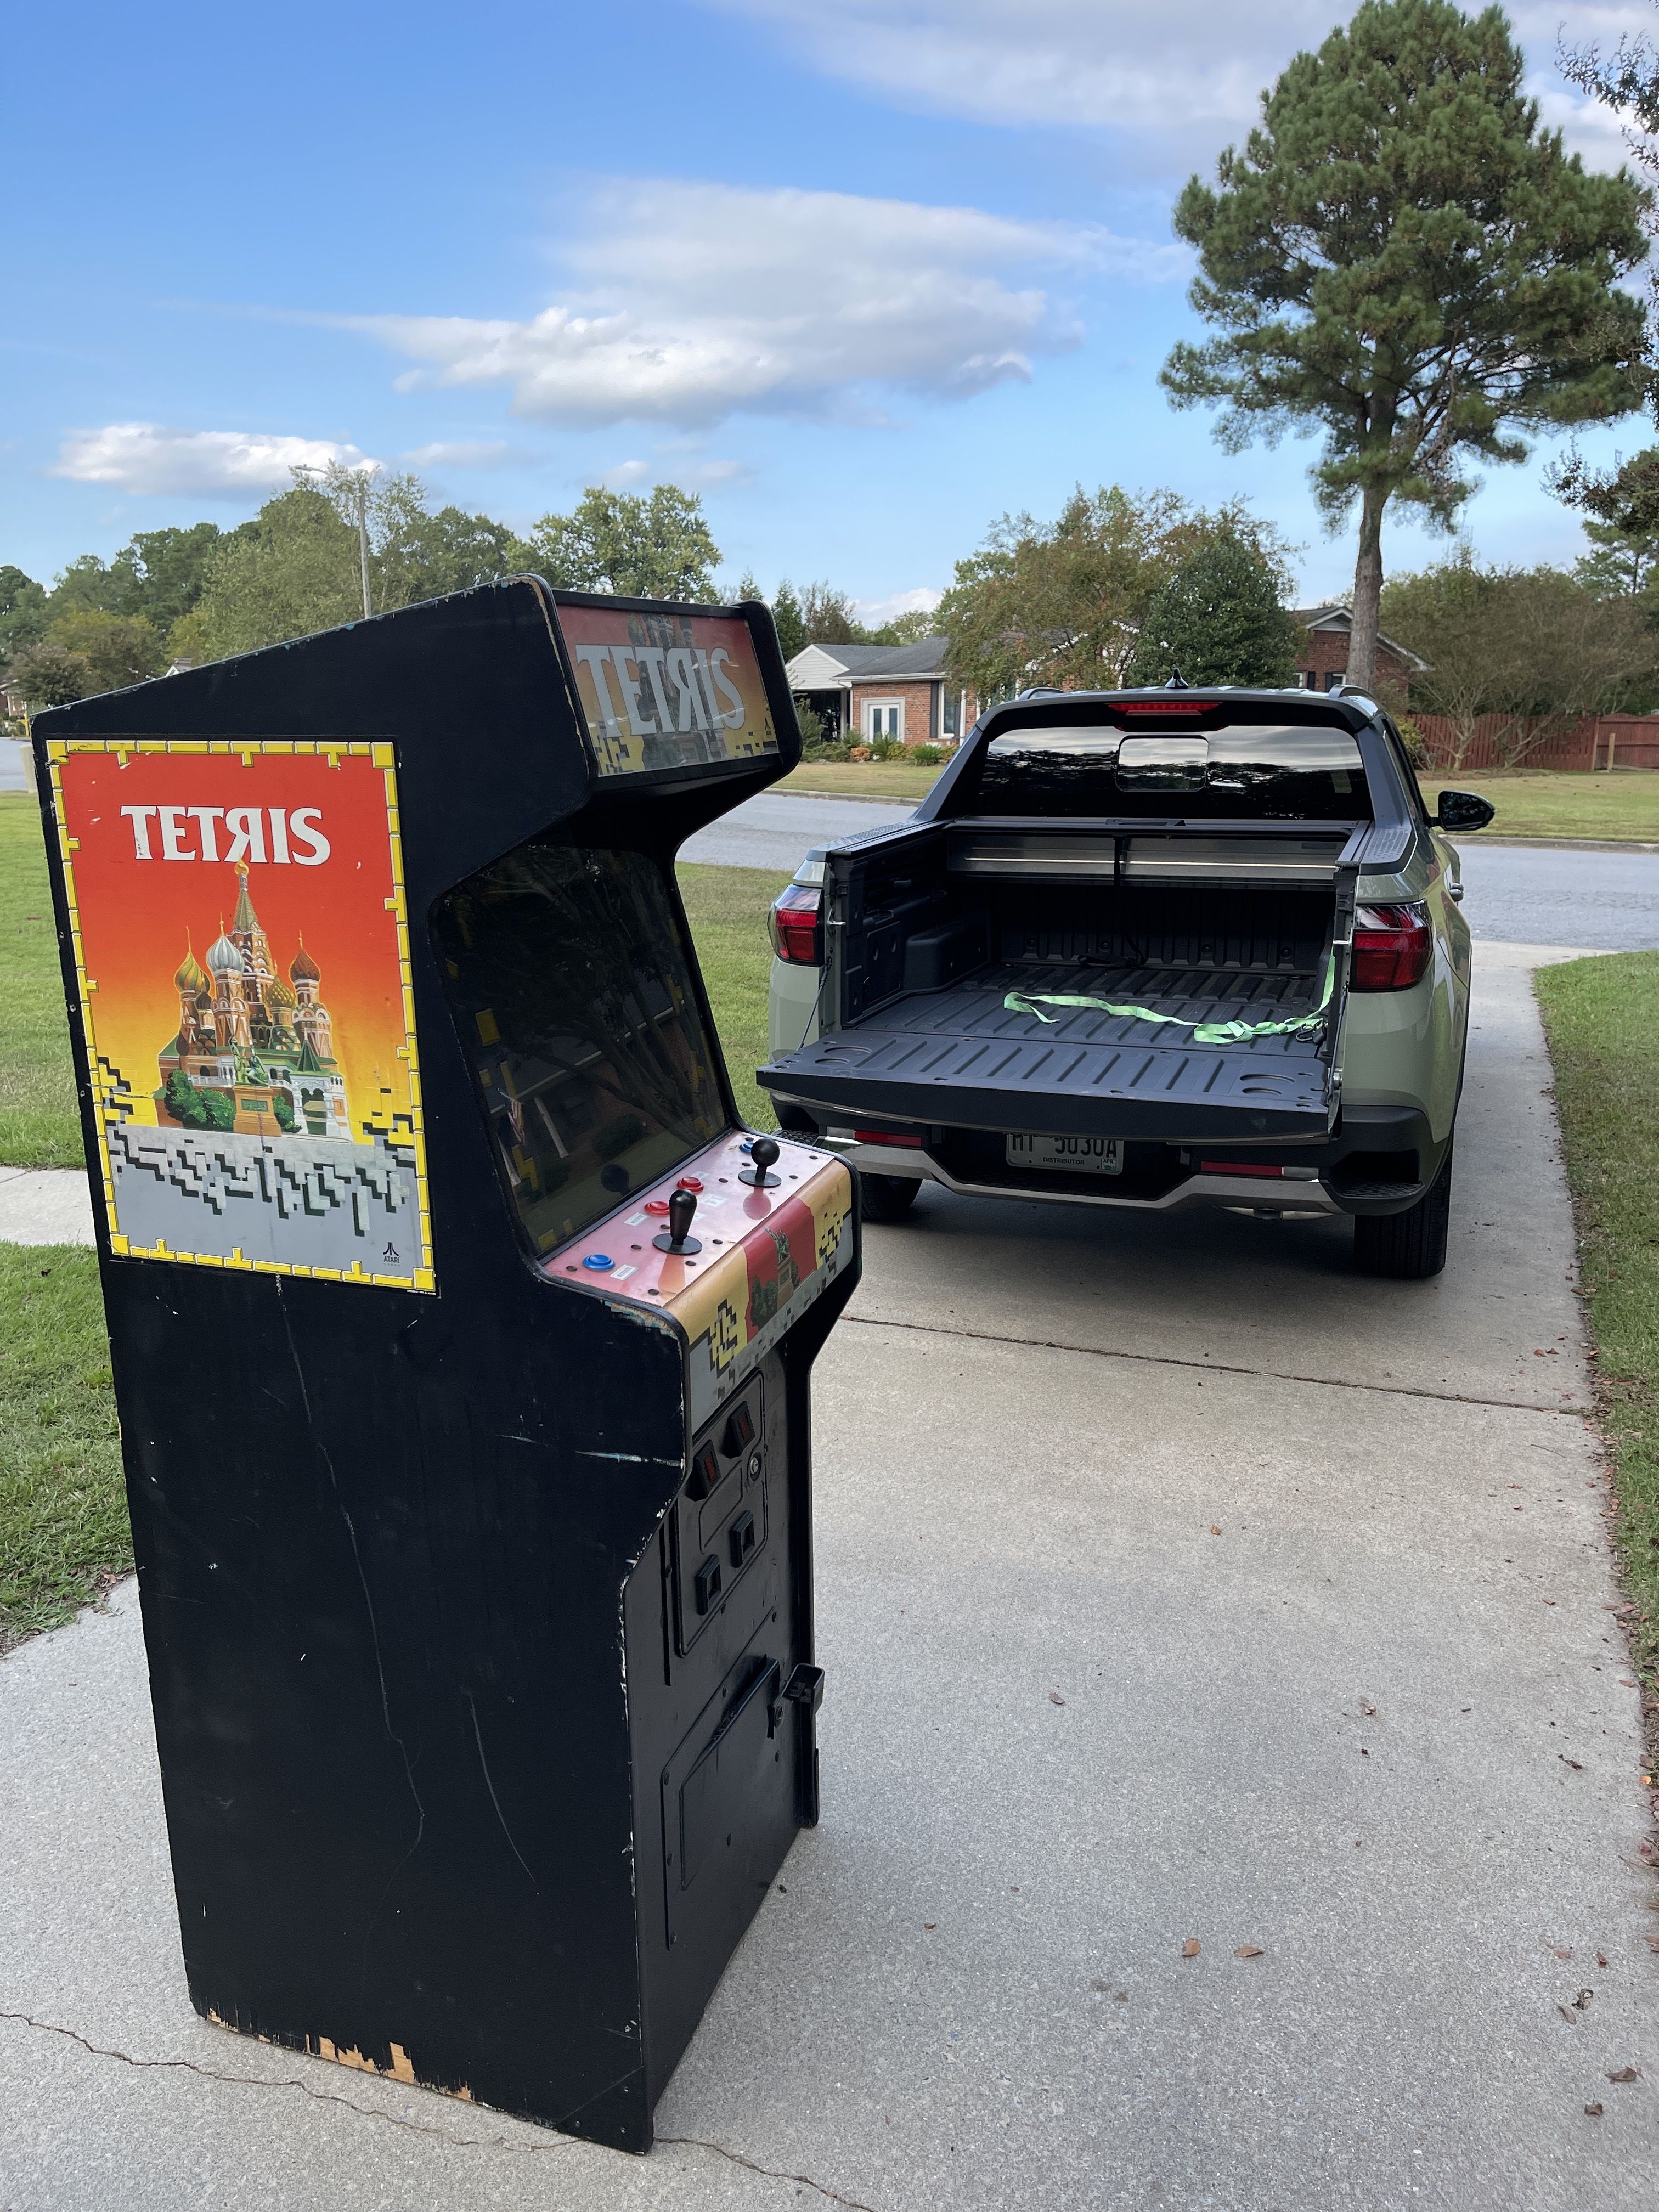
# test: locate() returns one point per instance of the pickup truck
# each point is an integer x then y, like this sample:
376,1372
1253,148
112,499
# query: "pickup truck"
1147,949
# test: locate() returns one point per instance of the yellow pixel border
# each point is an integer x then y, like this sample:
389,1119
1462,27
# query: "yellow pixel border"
422,1278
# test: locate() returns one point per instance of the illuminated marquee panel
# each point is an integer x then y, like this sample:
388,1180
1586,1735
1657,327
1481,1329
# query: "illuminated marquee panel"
661,691
241,952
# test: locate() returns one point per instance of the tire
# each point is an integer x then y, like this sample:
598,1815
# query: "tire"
1407,1247
888,1198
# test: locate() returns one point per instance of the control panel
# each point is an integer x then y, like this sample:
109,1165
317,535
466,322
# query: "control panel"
735,1244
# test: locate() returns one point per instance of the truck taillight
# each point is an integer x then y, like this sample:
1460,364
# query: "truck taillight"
796,925
1392,947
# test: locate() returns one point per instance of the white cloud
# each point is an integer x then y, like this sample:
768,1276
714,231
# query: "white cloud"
875,612
689,303
486,453
143,457
1118,63
1188,72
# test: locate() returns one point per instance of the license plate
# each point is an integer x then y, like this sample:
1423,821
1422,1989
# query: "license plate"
1075,1155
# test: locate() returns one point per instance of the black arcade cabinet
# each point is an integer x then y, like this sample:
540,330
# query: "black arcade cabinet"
462,1336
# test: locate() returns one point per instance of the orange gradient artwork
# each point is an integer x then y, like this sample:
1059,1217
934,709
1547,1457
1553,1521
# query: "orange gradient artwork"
243,960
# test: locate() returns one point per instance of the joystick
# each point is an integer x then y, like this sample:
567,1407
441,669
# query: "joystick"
762,1152
677,1237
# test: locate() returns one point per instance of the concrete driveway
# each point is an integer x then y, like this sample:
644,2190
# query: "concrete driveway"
1176,1588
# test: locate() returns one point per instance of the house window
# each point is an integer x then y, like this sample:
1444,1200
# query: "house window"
951,718
1335,678
883,718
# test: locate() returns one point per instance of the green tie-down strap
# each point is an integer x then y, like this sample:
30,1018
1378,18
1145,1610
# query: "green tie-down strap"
1017,1002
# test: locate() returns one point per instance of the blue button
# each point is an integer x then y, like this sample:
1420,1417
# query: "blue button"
599,1261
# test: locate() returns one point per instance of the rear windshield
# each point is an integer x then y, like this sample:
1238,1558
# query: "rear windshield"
1249,772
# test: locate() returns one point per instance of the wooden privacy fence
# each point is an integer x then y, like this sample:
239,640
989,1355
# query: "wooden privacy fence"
1598,741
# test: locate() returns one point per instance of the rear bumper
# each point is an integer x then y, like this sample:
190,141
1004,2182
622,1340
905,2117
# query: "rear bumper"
1381,1160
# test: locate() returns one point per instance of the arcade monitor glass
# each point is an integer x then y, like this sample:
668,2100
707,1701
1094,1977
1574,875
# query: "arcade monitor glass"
462,1336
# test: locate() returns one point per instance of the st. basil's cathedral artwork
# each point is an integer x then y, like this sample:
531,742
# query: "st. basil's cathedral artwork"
242,951
254,1051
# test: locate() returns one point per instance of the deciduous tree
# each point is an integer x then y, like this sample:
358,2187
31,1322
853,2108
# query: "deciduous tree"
1535,648
50,675
295,572
1401,256
1218,620
649,547
1061,603
118,649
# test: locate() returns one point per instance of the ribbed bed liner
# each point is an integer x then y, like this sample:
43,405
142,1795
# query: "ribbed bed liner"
959,1056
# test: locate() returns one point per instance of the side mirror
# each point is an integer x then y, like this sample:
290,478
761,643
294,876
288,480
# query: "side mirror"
1464,810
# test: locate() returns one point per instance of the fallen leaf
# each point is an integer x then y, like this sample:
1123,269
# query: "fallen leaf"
1368,1709
1584,2000
1190,1949
1571,2018
930,1926
1624,1682
1592,2112
1602,1961
1214,1531
1055,1697
1247,1951
1560,1951
1626,2074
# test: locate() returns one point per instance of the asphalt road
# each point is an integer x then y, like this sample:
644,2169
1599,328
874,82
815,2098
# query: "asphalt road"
1605,901
1179,1591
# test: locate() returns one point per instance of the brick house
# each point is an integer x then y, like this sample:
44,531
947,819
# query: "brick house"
1322,651
860,692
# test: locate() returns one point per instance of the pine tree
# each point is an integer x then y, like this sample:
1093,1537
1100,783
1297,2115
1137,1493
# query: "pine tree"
1402,256
787,615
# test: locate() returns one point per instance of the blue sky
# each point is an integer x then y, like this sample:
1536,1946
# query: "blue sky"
865,273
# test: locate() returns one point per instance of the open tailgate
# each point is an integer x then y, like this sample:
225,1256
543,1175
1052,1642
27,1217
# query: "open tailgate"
962,1057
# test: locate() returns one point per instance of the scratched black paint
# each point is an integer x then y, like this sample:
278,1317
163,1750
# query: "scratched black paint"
414,1702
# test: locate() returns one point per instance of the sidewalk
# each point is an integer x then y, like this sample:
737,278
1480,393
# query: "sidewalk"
1174,1585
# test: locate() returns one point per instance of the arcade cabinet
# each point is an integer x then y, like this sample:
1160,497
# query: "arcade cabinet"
462,1335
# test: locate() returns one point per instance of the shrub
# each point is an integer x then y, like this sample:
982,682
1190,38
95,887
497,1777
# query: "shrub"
927,756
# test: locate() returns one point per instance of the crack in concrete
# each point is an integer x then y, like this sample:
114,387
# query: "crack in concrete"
771,2173
412,2127
282,2081
1217,1366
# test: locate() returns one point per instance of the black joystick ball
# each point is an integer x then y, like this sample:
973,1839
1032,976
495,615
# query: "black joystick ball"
762,1152
677,1237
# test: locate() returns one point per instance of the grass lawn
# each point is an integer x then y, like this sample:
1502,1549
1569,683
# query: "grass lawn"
39,1126
727,910
873,780
1602,1020
1544,805
63,1508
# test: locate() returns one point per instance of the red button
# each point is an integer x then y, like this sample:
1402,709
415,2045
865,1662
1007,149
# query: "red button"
656,1205
689,1182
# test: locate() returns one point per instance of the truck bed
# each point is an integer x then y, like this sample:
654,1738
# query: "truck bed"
960,1056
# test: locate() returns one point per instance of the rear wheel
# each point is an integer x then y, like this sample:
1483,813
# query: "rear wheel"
888,1198
1410,1246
